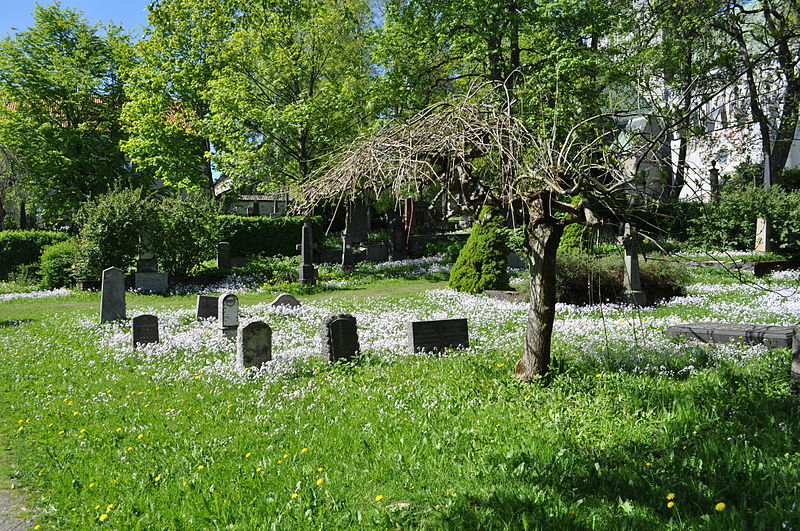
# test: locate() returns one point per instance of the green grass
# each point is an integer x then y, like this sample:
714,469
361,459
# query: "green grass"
450,442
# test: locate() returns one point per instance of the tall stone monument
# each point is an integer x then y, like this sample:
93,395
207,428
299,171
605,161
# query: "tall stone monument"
308,274
112,295
224,255
632,281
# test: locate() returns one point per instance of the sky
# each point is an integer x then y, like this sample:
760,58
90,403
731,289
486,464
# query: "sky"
126,13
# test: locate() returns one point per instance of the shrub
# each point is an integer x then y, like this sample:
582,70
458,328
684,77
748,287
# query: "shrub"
273,268
186,235
24,247
585,279
111,230
58,265
575,239
251,236
481,264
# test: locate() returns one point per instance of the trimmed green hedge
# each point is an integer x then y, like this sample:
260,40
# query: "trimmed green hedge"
264,236
18,247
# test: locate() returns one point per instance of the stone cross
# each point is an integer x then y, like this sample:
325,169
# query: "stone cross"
112,295
224,255
253,345
228,314
144,329
206,306
632,281
308,273
340,338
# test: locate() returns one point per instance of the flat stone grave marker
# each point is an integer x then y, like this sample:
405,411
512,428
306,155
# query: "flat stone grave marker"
772,336
228,314
207,306
254,344
144,329
435,336
285,299
340,337
112,295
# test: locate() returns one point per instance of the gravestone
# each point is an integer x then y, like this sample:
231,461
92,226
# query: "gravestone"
358,225
206,306
632,281
144,329
224,255
253,345
150,282
435,336
771,336
112,295
762,236
307,272
285,299
340,337
228,314
397,239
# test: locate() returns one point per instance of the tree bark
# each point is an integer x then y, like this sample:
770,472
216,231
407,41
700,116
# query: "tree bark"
543,237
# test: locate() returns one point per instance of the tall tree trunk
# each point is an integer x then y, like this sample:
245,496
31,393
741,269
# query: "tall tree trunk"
543,236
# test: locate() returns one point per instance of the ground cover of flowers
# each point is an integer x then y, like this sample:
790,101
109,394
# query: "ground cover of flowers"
633,430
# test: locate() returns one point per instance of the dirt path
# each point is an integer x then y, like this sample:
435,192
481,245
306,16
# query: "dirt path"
12,515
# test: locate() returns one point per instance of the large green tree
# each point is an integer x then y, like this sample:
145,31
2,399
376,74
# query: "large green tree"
60,101
293,88
168,105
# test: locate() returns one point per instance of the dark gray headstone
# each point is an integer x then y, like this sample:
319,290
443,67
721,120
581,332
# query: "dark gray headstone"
253,345
152,282
340,337
435,336
112,295
224,255
285,299
228,314
146,265
144,329
308,274
358,222
206,306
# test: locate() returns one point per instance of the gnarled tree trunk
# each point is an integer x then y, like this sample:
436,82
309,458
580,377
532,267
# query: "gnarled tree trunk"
543,236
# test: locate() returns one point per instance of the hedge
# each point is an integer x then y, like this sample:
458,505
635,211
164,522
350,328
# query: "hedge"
264,236
18,247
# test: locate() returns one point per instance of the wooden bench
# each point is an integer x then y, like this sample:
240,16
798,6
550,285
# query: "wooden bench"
771,336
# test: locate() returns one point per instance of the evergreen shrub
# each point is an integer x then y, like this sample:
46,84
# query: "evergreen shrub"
482,263
58,263
24,247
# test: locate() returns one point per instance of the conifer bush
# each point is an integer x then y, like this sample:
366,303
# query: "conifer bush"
482,263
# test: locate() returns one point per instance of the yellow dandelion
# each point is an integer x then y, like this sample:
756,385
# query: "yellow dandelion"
97,506
294,495
118,430
500,364
671,496
83,430
259,469
598,375
719,507
157,478
285,456
200,467
109,507
37,526
91,485
671,504
103,517
320,469
20,428
648,464
130,448
248,454
320,481
61,432
379,497
140,436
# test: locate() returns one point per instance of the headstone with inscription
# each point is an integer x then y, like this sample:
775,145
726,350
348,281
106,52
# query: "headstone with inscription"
435,336
224,255
228,314
144,329
285,299
152,282
253,345
206,306
340,337
112,295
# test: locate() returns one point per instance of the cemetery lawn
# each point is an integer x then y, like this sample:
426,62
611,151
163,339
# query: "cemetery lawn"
632,431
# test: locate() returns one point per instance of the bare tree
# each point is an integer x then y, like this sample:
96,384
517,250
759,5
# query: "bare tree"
10,170
475,149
